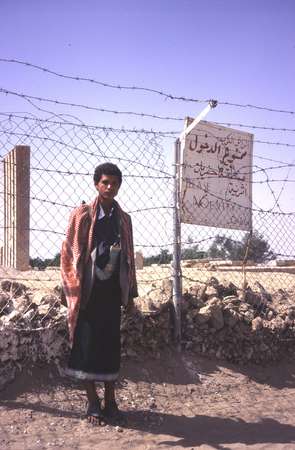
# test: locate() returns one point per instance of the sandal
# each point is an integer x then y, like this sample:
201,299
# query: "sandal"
94,414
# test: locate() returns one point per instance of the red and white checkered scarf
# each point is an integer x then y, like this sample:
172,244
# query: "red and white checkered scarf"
77,248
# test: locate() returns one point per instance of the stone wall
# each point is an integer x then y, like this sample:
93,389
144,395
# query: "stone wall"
218,320
240,326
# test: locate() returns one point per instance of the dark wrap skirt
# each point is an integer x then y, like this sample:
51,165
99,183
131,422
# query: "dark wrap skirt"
96,350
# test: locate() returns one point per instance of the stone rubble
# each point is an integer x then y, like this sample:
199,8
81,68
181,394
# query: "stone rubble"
238,326
218,320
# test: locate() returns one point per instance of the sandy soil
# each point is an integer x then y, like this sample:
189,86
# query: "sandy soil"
180,401
154,275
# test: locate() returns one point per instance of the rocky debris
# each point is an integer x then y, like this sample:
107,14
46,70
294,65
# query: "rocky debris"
14,287
257,324
218,320
6,304
239,326
266,297
33,327
211,313
31,309
146,333
155,295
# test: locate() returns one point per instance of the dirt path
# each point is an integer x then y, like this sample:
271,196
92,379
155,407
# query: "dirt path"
173,403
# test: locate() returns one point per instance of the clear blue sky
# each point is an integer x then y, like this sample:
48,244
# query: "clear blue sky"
232,50
235,50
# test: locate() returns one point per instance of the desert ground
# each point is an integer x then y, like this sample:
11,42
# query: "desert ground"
178,400
271,278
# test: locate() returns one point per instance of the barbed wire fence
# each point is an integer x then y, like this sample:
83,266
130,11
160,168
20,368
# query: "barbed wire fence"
64,153
65,149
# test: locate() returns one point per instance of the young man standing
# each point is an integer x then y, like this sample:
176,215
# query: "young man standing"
98,276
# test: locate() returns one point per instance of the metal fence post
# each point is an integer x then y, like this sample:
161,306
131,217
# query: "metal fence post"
177,294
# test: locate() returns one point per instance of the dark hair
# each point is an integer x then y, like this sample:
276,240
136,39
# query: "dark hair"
107,169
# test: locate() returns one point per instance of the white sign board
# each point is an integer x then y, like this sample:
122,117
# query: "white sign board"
216,177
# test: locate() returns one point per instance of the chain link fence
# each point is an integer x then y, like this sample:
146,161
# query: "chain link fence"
64,153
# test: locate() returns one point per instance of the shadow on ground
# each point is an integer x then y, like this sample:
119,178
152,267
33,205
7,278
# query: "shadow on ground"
188,431
186,368
215,431
172,368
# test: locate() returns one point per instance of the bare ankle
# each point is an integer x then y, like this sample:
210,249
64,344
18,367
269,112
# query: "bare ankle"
91,391
109,393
